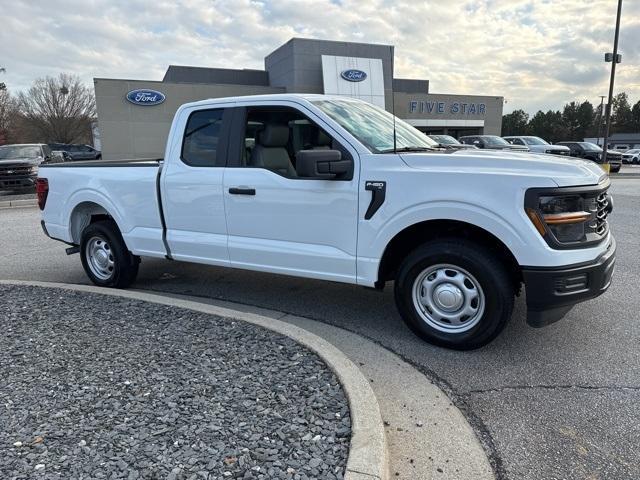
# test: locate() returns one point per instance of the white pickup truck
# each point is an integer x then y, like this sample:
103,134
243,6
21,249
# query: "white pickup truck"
337,189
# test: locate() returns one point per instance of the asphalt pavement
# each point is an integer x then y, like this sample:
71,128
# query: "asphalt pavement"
555,403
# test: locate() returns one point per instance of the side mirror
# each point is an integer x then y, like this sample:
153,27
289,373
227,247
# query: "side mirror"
322,164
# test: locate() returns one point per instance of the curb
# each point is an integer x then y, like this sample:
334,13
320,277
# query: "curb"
624,175
367,452
25,202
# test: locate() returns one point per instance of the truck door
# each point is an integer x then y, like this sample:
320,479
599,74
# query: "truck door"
278,221
192,187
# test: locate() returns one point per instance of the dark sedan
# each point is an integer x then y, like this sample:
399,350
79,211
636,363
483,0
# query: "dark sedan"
492,142
78,152
450,143
591,151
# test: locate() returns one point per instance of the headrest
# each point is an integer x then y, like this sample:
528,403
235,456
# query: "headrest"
323,139
273,135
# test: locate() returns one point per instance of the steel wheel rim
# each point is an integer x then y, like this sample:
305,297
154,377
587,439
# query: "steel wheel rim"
448,298
100,258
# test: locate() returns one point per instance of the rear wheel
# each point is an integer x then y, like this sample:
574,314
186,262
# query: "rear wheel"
454,293
105,257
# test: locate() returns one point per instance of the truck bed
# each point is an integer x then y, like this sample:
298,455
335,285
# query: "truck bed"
129,195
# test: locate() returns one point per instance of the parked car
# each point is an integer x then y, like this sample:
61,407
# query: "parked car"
491,142
591,151
631,156
19,165
78,152
59,156
325,187
450,143
537,144
621,148
614,158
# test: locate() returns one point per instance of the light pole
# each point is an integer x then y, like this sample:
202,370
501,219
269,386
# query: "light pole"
614,58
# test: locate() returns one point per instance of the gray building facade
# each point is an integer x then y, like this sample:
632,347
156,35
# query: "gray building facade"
128,128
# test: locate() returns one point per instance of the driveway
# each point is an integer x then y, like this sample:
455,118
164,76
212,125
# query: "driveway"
556,403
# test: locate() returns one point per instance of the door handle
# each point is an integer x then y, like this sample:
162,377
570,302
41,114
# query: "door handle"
242,191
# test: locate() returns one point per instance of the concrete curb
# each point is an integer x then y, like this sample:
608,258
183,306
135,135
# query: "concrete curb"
624,175
25,202
368,452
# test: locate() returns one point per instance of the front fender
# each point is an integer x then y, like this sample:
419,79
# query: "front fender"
376,235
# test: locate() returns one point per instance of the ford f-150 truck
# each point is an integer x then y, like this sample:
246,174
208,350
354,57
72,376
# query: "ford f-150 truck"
337,189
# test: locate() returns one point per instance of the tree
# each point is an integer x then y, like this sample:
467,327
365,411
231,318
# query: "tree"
585,119
570,120
549,126
58,109
8,116
635,117
515,123
621,116
3,86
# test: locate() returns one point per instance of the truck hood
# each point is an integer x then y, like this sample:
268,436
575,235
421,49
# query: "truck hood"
563,172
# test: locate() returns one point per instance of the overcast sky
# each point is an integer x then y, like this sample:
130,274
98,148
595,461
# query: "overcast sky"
537,54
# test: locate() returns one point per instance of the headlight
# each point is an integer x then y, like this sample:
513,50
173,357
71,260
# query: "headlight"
569,217
565,217
33,169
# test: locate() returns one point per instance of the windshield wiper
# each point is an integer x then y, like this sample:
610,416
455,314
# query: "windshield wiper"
407,149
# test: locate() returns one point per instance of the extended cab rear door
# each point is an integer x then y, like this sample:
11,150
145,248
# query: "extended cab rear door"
277,220
192,195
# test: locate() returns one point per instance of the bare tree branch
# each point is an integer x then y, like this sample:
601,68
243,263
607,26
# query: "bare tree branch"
58,109
8,116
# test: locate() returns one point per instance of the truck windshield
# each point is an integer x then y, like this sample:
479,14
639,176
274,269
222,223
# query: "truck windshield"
534,141
373,126
592,147
444,139
19,152
494,140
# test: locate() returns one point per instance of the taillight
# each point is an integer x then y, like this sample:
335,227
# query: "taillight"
42,190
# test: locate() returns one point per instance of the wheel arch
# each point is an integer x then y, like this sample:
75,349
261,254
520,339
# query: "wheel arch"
405,241
85,213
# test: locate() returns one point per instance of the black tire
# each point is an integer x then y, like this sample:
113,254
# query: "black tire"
124,268
488,271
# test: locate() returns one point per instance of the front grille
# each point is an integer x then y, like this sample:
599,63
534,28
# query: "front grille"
602,211
13,170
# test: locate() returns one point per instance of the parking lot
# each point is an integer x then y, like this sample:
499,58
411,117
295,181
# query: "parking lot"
560,402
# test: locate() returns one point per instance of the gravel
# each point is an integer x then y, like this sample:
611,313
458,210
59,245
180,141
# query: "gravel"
95,386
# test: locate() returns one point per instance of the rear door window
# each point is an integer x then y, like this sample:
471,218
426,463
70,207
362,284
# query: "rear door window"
204,138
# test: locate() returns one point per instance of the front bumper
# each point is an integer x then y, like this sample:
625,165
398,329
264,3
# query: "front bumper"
552,292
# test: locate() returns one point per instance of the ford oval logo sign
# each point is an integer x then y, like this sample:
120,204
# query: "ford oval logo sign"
145,96
353,75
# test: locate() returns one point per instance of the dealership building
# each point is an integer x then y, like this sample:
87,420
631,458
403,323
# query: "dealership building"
135,124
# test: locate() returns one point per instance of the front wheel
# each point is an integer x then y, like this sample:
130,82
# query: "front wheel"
105,257
454,293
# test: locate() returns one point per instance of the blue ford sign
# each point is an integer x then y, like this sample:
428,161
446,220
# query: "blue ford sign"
353,75
145,96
